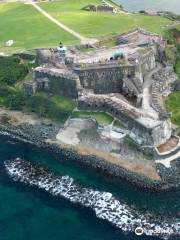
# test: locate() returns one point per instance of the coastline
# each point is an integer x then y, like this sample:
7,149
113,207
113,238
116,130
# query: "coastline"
22,133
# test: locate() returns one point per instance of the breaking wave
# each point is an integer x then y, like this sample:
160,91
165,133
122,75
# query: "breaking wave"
105,205
6,133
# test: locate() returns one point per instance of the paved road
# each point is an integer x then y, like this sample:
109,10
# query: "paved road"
83,40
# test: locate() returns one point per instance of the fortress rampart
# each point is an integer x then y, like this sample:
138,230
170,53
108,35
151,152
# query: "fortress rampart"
61,83
104,79
115,77
147,130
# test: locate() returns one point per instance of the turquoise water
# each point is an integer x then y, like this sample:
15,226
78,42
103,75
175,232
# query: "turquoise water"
165,5
29,213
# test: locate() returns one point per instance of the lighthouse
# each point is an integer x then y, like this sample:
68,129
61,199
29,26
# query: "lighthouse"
61,50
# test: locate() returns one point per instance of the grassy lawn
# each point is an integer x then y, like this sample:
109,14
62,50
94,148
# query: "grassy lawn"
170,54
173,106
56,107
177,69
99,24
101,117
131,143
118,124
64,103
28,28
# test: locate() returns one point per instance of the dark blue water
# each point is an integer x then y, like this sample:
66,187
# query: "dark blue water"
29,213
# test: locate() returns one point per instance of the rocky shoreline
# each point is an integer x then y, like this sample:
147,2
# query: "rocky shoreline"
38,136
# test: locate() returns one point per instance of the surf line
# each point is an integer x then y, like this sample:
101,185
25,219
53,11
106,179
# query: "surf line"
104,204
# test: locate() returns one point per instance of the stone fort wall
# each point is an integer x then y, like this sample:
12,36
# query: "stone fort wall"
58,83
104,79
147,136
109,77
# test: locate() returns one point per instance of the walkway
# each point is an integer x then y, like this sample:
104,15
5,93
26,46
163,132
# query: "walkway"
146,98
83,40
167,161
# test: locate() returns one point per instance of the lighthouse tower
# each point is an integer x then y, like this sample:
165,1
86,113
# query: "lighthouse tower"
61,50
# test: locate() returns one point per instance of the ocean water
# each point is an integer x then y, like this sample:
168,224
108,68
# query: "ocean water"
32,214
165,5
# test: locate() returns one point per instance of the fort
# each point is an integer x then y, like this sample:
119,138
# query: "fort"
129,81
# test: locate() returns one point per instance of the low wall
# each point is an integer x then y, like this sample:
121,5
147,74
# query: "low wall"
169,153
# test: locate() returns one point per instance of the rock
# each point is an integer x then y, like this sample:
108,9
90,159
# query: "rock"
9,43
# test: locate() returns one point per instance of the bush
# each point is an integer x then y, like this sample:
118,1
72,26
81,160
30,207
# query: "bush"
177,65
12,70
142,12
40,103
5,90
45,107
16,101
131,143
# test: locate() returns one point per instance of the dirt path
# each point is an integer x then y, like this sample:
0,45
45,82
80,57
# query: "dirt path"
83,40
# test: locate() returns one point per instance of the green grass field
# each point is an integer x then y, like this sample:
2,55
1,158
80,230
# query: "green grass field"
28,28
101,117
99,24
64,103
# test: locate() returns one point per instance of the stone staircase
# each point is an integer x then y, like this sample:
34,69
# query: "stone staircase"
160,81
132,86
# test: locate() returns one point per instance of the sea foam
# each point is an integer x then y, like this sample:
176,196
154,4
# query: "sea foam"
105,205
